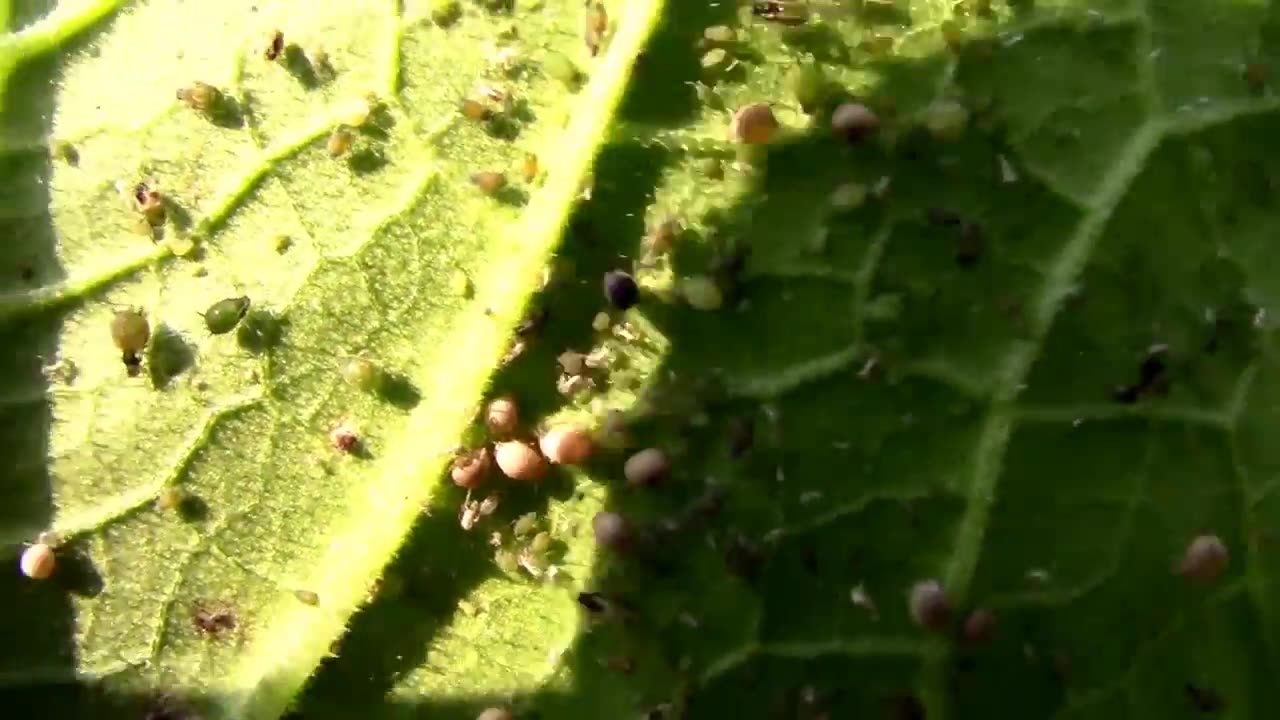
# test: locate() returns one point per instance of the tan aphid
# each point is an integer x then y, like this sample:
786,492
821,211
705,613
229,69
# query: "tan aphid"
340,142
597,24
566,445
502,416
473,109
520,461
754,124
469,470
489,182
200,96
1206,558
529,167
38,562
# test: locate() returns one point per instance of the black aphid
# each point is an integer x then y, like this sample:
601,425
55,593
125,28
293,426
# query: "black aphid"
620,289
593,602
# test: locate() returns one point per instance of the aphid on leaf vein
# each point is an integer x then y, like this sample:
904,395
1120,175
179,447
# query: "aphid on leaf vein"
130,331
275,46
38,561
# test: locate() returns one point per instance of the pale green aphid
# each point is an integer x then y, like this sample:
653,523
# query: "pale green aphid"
559,66
223,316
362,373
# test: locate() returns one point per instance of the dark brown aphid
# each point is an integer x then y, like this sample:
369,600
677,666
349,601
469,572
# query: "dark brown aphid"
597,24
275,46
533,321
150,204
345,438
1203,699
489,182
980,626
1206,559
201,97
213,619
929,605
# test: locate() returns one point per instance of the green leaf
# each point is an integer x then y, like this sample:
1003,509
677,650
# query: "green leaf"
239,423
1019,341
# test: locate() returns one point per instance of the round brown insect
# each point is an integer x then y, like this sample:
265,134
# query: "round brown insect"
611,530
566,445
1206,558
469,470
754,124
929,605
307,597
489,182
275,46
201,97
647,467
339,142
130,331
519,461
980,626
38,562
502,416
473,109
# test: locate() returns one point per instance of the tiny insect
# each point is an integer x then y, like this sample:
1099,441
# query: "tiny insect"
722,34
929,605
340,141
647,467
275,46
223,316
213,619
150,203
495,713
489,505
783,12
753,124
307,597
597,24
566,445
561,68
621,290
469,513
519,461
502,416
473,109
611,530
524,524
362,373
469,470
130,332
201,97
529,167
593,602
489,182
345,438
38,561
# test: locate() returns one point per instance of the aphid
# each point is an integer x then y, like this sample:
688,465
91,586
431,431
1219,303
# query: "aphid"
541,542
502,416
362,373
469,514
701,292
469,470
929,605
307,597
213,619
340,141
473,109
38,561
495,713
519,461
345,438
947,120
259,330
506,560
597,24
130,331
722,34
275,46
848,196
979,626
808,84
621,290
714,58
66,152
201,97
712,168
854,121
529,167
489,182
489,505
601,322
170,498
566,445
524,524
647,467
1206,558
223,316
561,68
150,204
533,563
783,12
611,530
754,124
571,362
281,243
445,12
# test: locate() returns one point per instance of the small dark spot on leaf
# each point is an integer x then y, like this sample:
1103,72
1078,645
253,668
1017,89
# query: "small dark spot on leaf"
743,558
192,508
906,707
399,390
1203,699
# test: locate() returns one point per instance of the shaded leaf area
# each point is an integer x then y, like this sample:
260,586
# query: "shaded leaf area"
1032,364
224,499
